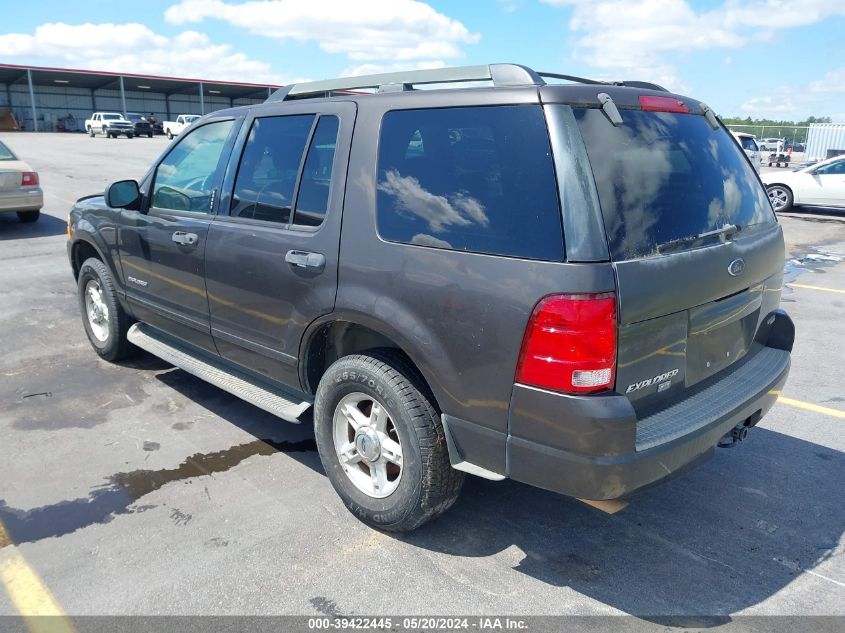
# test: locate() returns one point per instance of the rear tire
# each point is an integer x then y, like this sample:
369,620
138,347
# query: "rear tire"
29,216
418,481
150,135
105,321
91,132
169,135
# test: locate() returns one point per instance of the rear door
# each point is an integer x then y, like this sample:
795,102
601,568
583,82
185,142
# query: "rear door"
162,249
271,259
688,306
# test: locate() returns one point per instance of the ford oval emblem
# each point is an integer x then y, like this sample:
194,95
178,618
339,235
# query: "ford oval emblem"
736,267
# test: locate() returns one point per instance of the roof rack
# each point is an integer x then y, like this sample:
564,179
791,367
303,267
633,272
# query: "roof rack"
501,75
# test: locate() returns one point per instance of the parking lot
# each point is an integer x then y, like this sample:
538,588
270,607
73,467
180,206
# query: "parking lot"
138,489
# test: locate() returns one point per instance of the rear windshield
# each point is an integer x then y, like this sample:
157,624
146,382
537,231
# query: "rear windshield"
748,143
665,177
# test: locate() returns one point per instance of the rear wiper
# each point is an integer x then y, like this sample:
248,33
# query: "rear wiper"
723,233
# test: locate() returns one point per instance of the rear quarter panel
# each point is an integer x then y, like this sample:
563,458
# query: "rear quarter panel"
460,316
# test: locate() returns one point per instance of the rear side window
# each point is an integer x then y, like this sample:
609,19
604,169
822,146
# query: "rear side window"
476,179
270,162
665,177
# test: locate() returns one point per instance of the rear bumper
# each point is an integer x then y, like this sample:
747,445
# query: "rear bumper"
595,447
22,200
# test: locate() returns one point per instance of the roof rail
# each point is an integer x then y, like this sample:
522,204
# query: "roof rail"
502,75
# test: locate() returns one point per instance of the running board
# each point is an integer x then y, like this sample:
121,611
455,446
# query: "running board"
275,401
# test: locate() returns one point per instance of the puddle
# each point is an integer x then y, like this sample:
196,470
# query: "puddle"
124,489
814,262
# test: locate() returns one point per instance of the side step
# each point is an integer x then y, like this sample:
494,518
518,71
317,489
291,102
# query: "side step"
272,400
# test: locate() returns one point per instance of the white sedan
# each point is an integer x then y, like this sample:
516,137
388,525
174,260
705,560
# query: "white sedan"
822,184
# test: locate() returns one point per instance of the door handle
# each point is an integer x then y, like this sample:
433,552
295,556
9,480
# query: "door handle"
186,239
304,259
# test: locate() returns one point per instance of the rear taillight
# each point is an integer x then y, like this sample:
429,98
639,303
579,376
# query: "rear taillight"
29,179
570,344
650,103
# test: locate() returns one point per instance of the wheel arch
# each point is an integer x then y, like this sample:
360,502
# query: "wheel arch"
341,334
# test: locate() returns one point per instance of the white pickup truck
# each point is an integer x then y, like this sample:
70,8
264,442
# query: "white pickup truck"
174,128
112,124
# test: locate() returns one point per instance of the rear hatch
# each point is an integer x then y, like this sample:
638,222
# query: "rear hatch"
695,245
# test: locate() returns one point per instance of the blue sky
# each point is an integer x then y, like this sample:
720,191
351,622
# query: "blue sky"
777,58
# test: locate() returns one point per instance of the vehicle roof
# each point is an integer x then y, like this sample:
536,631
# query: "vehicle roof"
584,95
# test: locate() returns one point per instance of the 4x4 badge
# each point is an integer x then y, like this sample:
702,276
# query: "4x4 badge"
736,267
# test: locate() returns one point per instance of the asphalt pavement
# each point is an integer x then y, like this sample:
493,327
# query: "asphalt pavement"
137,489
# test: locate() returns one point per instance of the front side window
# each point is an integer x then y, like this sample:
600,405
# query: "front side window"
835,168
266,180
312,200
186,177
476,179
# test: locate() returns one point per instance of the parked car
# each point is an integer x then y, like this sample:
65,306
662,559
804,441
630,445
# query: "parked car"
749,145
174,128
111,124
19,187
140,125
512,291
820,184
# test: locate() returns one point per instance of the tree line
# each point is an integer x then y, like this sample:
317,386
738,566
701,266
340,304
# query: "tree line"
795,131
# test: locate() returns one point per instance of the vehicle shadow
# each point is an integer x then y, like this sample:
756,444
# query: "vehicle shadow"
690,552
803,211
721,539
257,422
11,228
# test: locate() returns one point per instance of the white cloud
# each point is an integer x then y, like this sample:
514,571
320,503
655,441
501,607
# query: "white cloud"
815,98
645,37
373,31
137,49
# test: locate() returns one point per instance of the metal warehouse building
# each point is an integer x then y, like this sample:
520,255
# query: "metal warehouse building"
59,99
825,140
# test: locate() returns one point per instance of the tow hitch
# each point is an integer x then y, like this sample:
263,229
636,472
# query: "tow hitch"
740,431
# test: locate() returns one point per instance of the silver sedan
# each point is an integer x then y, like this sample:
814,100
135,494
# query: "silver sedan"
19,187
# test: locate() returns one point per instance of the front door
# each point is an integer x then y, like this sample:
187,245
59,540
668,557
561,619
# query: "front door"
162,247
271,258
827,186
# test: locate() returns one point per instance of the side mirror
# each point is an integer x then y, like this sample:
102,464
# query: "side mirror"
123,194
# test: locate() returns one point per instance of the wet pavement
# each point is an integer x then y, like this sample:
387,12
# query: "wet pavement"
135,488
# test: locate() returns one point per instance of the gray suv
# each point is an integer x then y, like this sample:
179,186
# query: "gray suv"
574,285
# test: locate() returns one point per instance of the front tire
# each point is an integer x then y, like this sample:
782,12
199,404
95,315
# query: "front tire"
29,216
382,443
105,321
780,197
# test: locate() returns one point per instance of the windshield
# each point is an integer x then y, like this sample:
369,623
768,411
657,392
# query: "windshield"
191,119
112,117
6,153
665,177
134,117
